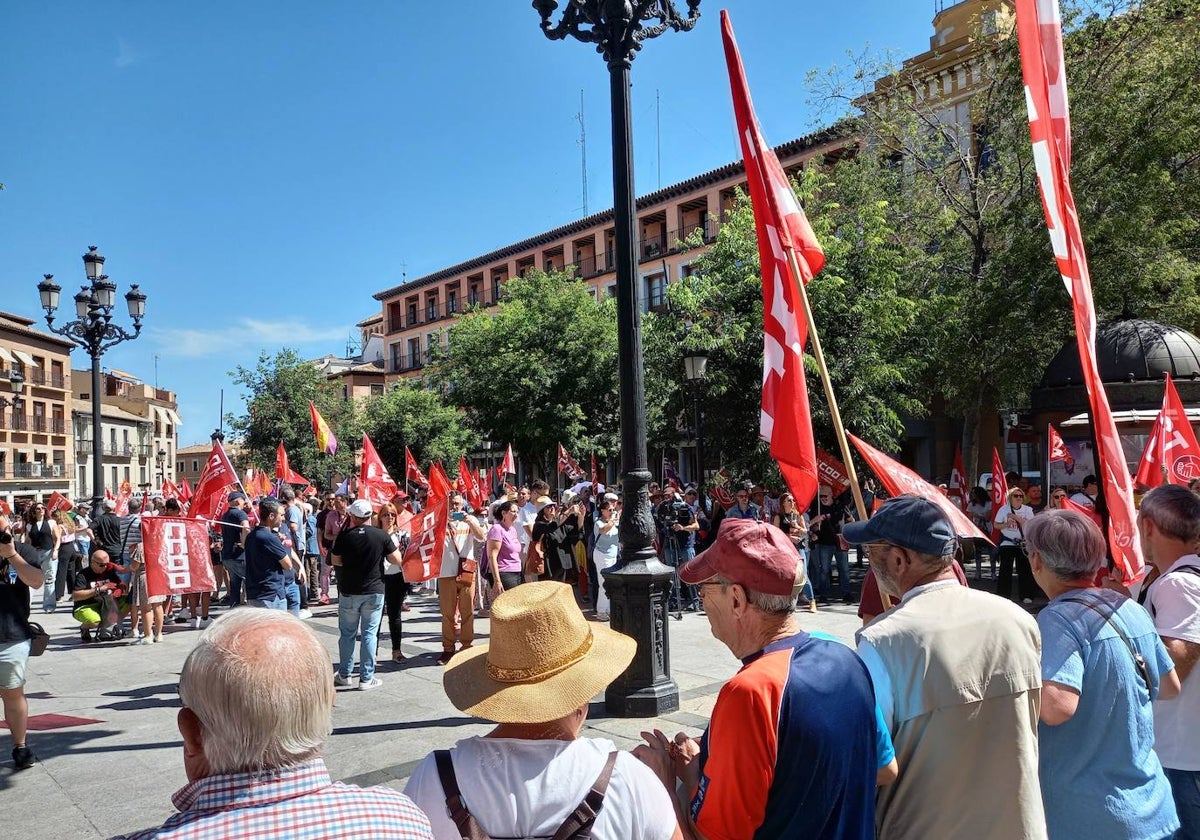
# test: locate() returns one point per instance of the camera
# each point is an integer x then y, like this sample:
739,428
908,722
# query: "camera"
5,538
673,512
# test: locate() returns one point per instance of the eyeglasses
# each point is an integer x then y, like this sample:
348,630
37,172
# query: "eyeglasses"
743,495
700,587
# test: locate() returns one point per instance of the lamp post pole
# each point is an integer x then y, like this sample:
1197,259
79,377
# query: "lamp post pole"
94,331
695,365
639,584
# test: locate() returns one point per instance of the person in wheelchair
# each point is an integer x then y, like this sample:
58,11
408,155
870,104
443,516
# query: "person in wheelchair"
99,597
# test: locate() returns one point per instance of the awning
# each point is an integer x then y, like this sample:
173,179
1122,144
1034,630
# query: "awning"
158,415
24,357
5,355
173,416
1130,417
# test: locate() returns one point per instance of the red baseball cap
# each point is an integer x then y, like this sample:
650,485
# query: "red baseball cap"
758,556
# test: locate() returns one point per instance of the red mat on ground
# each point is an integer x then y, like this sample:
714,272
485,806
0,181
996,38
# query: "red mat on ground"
41,723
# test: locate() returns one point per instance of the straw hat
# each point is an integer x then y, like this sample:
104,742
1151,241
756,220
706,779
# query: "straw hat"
544,660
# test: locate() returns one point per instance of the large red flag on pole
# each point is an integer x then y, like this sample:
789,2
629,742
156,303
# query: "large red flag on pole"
1039,34
999,482
785,420
423,558
1172,453
470,483
218,479
185,490
284,471
508,466
374,483
411,471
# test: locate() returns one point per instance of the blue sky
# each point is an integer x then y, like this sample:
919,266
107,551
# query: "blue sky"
261,169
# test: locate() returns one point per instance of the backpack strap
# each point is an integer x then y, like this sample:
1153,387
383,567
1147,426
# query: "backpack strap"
578,824
468,828
1105,611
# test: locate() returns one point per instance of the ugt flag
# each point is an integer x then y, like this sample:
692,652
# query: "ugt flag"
423,559
1172,453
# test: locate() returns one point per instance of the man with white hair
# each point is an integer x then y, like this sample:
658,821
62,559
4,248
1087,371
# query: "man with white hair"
257,708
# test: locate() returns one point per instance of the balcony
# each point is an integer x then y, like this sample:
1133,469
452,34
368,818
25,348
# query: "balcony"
37,470
20,422
659,245
405,362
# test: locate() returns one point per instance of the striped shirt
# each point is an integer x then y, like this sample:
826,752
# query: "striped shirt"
298,803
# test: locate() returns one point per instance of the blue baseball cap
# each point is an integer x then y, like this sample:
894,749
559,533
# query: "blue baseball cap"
907,521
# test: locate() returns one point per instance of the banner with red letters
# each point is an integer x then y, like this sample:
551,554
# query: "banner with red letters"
175,550
423,559
832,471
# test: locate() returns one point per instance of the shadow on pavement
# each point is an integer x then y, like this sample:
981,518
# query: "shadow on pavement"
146,697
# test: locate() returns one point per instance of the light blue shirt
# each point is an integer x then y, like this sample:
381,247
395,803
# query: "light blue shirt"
1101,778
884,750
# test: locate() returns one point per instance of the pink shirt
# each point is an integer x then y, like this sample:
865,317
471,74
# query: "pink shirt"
509,557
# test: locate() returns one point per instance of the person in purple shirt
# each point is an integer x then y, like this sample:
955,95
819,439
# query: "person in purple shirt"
504,549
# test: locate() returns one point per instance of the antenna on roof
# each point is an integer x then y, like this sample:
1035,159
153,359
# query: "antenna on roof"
658,133
583,148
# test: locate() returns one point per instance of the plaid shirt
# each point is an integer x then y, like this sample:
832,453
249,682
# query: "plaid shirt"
295,803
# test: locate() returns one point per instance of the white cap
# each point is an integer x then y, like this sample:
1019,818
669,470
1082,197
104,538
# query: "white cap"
360,509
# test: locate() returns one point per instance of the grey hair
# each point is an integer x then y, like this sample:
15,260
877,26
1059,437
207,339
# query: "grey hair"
1069,543
1175,510
259,681
774,605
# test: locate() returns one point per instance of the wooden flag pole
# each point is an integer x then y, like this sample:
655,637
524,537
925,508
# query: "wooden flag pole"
834,414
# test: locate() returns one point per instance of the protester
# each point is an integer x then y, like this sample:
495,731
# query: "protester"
151,608
107,530
42,534
1057,496
826,517
604,550
88,590
395,587
235,527
335,521
533,773
257,709
504,550
291,533
312,554
558,533
1011,521
359,553
743,508
1169,524
67,554
791,522
456,581
20,571
1102,665
1087,494
957,675
267,559
83,531
792,748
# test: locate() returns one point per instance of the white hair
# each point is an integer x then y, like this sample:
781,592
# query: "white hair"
261,684
1069,543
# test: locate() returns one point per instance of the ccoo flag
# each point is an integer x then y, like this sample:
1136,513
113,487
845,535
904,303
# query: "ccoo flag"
326,441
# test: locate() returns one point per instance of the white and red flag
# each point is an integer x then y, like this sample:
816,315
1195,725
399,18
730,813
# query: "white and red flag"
57,502
176,555
566,464
957,487
785,420
423,558
411,471
374,483
216,482
1039,34
898,479
170,490
284,471
999,482
508,466
1172,453
124,494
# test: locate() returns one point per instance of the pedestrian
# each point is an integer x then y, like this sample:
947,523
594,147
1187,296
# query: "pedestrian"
1102,667
1011,520
504,550
743,508
291,532
792,747
67,554
456,580
605,550
359,554
257,709
677,527
826,517
235,527
20,572
395,588
957,674
42,534
534,775
789,520
150,608
267,559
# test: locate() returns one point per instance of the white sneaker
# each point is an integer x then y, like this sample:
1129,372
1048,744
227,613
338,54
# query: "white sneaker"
195,623
306,613
338,679
374,682
144,640
204,622
158,637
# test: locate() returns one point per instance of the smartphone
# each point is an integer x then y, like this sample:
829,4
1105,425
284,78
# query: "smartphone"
458,516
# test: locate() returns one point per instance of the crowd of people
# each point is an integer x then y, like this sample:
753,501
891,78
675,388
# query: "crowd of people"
959,714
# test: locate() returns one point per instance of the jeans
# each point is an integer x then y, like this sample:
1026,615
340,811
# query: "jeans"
50,570
806,591
510,579
359,614
293,596
826,555
268,603
237,576
1185,788
675,557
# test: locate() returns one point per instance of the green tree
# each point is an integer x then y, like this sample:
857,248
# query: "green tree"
416,417
539,369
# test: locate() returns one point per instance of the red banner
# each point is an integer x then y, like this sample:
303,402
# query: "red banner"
185,490
782,230
1172,453
176,554
284,471
898,479
423,559
412,472
999,482
1039,34
832,472
374,483
566,464
217,481
57,502
957,488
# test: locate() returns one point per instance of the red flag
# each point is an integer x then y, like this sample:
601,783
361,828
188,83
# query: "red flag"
898,479
1172,453
1039,34
124,494
1090,513
999,482
566,464
507,466
832,472
719,492
423,558
957,491
109,495
216,482
170,490
1058,449
781,226
57,502
596,478
470,484
411,471
5,509
176,554
284,471
185,490
374,482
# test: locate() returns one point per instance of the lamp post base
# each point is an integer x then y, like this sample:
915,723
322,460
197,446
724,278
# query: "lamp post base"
638,590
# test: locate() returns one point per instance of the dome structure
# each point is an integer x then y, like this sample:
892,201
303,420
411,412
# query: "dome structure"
1133,350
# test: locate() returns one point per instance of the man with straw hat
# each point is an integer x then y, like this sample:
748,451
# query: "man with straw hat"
794,745
533,775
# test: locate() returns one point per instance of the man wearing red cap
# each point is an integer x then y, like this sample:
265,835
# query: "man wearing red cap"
794,745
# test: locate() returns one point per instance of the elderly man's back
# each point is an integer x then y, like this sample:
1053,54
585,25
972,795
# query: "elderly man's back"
957,675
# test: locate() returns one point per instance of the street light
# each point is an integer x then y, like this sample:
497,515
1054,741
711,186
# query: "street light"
161,458
639,584
94,331
695,366
17,382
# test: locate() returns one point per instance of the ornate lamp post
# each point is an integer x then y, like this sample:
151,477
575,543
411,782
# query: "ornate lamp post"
94,331
17,381
161,459
639,585
695,366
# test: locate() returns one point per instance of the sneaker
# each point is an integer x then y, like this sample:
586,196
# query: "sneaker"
338,679
204,622
367,685
306,613
144,640
195,623
23,757
445,657
158,637
180,618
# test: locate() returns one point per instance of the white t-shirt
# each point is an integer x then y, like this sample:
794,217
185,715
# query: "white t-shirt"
1174,604
460,542
1012,533
1081,498
520,788
526,516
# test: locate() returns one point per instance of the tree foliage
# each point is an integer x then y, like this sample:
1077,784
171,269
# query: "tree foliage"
417,417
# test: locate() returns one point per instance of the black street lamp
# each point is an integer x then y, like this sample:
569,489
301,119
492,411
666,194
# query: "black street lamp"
17,381
94,331
639,584
161,458
695,366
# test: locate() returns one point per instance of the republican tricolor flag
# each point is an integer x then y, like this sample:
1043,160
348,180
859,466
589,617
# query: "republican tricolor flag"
782,228
326,441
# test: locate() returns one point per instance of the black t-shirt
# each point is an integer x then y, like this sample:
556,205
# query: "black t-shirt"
108,534
363,550
87,577
14,598
830,529
265,580
231,534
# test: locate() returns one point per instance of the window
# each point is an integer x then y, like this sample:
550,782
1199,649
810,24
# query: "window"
452,301
127,474
656,291
431,308
414,352
397,356
376,390
195,466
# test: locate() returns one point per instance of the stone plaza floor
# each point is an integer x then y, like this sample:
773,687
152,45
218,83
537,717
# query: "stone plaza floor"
110,756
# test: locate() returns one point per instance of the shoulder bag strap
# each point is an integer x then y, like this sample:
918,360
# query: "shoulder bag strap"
578,824
1107,614
468,828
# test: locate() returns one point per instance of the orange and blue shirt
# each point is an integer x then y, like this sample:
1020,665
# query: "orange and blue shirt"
792,747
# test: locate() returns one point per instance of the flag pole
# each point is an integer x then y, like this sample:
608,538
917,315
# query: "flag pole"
834,414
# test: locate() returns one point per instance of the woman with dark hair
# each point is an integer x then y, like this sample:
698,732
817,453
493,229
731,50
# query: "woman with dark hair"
558,533
394,585
43,535
504,549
